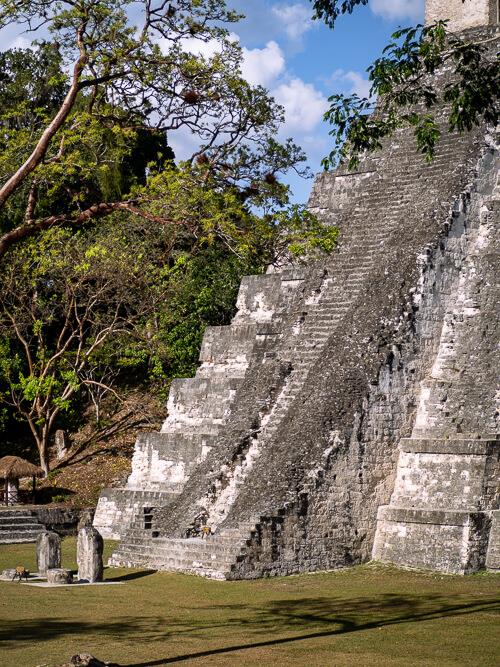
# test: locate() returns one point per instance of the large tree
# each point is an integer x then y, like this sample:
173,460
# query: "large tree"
404,92
68,303
111,83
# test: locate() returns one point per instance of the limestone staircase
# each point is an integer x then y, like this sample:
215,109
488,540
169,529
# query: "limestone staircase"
323,311
18,526
199,407
213,557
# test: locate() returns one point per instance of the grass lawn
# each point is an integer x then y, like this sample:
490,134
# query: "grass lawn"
366,616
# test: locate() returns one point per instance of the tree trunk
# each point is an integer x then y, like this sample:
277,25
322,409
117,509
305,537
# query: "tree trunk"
43,450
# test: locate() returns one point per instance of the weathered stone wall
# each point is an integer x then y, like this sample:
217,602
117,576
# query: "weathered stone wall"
493,556
198,408
447,475
333,521
462,14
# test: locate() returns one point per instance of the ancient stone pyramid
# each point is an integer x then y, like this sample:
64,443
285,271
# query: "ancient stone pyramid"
351,409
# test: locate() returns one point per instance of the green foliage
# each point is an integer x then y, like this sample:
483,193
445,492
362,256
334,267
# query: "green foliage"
329,10
202,291
126,302
64,298
59,497
121,88
409,95
119,258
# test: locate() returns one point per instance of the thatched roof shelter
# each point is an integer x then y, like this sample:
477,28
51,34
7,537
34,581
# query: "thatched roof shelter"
14,467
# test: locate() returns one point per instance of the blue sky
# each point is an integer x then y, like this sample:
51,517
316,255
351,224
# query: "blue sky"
301,62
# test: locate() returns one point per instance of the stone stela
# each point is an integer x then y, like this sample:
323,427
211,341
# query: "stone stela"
48,552
89,555
463,14
349,411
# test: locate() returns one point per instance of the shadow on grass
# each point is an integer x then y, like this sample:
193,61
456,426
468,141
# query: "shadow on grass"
130,576
307,618
303,613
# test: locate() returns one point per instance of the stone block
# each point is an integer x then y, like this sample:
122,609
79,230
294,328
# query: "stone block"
453,445
493,555
9,574
258,298
430,480
452,542
462,14
60,444
227,345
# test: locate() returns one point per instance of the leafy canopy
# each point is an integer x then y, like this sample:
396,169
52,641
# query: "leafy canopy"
111,84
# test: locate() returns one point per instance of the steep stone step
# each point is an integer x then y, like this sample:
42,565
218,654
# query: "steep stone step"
18,526
208,557
20,536
15,520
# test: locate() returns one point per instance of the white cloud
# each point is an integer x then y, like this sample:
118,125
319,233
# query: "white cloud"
304,105
197,47
258,66
21,42
262,66
11,38
398,9
295,19
354,81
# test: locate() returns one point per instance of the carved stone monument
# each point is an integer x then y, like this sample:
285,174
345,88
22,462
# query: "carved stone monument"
89,554
48,551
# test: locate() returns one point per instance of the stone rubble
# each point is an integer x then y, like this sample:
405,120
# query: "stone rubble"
59,575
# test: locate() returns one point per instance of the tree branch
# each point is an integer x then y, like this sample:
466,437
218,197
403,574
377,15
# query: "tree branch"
42,146
32,227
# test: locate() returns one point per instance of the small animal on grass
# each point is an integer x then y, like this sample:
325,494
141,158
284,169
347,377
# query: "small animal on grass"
21,573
